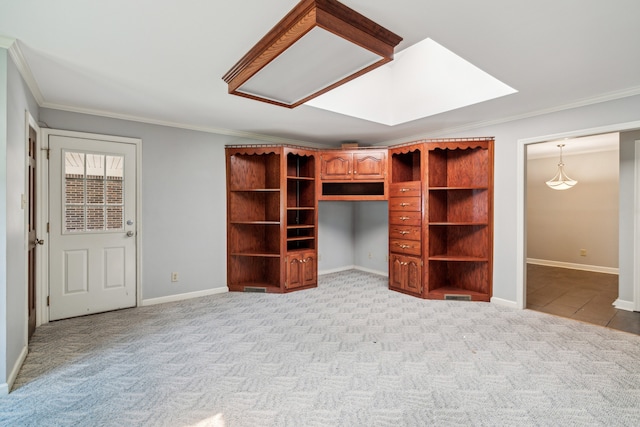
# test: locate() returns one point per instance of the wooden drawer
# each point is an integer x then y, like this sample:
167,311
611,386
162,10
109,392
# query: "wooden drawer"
405,232
405,189
405,218
410,247
413,204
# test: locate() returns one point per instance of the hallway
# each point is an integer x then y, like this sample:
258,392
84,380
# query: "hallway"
579,295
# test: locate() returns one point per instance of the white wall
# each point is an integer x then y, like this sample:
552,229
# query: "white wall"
561,223
13,302
627,257
505,173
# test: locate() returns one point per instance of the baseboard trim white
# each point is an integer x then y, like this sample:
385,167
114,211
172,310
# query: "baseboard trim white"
623,305
368,270
573,266
182,297
6,387
336,270
504,302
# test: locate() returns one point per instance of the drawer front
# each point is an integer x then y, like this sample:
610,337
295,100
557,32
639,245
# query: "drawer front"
410,247
406,232
413,204
405,189
405,218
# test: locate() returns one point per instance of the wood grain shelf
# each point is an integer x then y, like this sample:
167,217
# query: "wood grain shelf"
460,258
256,254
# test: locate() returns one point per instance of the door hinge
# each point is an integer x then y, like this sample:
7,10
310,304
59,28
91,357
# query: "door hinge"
48,150
47,227
48,300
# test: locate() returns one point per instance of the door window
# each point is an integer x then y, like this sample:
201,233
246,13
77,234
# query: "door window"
93,192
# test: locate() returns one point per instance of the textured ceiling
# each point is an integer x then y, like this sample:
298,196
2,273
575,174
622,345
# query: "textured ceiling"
162,61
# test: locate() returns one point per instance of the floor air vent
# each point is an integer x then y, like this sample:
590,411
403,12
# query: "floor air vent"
458,297
252,289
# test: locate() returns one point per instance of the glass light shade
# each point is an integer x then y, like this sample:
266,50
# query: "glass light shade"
561,180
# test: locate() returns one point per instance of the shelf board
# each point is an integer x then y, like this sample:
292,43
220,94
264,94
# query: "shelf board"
302,178
300,226
255,222
255,190
268,287
301,208
461,258
299,239
256,254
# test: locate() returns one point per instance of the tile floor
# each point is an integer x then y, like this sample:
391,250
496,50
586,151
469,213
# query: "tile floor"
579,295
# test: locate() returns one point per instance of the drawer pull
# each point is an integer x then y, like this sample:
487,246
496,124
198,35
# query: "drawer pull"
404,204
404,218
403,246
404,190
403,232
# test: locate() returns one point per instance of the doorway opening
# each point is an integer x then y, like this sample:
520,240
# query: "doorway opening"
546,272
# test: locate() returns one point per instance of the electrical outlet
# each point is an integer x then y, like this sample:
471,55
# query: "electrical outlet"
319,257
174,276
583,252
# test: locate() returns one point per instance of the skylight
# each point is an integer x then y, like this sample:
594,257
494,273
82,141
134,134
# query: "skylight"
423,80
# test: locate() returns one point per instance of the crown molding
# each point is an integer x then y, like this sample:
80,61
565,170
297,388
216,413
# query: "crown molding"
611,96
178,125
23,67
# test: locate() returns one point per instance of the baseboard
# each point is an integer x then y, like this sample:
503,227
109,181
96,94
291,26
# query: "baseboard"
573,266
504,302
623,305
6,387
182,297
368,270
336,270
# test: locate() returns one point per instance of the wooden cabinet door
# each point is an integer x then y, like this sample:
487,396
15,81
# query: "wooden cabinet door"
294,272
309,269
413,275
336,166
405,273
369,165
301,270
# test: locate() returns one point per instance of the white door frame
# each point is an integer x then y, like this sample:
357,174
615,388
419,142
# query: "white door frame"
42,312
521,241
30,121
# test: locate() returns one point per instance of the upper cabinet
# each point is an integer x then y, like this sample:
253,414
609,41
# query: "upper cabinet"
353,175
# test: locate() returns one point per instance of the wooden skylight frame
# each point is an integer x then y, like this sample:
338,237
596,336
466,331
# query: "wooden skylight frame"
317,20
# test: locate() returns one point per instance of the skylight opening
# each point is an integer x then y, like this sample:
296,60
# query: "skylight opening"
423,80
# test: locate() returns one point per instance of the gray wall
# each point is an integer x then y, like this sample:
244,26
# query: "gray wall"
505,175
336,236
371,227
560,223
627,213
183,201
13,302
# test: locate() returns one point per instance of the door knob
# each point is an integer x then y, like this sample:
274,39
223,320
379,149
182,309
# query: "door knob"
130,233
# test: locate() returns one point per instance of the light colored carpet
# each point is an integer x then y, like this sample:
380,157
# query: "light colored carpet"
349,353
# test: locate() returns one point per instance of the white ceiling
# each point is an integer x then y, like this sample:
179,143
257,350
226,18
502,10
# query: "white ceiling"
162,61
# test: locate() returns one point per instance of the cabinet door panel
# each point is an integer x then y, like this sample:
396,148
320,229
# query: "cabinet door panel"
294,272
336,166
369,165
309,269
395,271
413,275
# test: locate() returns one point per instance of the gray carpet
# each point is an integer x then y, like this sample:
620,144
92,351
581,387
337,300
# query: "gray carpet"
349,353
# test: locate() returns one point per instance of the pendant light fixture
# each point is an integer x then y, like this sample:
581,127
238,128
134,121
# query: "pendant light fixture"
561,180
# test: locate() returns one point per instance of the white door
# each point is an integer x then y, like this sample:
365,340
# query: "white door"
92,212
